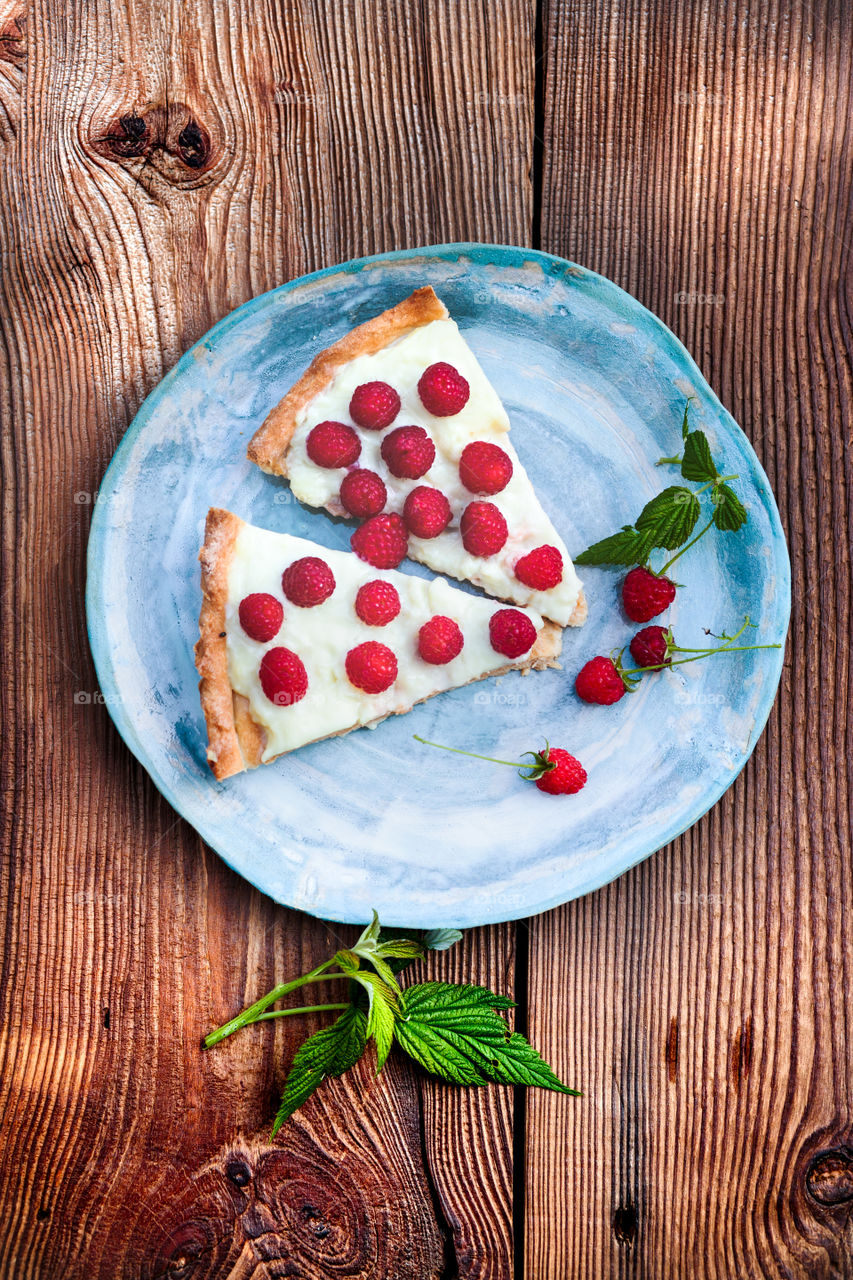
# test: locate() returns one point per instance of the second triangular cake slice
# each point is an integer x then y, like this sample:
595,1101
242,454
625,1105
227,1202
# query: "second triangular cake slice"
298,642
397,425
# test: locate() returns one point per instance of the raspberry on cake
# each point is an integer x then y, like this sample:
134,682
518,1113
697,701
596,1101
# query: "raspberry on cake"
409,388
326,669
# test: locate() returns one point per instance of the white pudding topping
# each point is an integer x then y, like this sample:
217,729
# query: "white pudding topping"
323,635
401,364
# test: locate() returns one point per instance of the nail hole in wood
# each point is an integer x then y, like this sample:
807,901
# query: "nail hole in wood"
238,1173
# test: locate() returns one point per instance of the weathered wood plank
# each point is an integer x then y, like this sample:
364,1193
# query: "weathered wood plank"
701,156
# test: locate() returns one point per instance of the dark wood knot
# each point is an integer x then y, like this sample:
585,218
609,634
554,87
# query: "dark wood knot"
12,47
174,143
238,1172
830,1177
625,1224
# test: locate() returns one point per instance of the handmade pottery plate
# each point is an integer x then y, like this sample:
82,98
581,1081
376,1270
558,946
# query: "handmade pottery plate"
595,387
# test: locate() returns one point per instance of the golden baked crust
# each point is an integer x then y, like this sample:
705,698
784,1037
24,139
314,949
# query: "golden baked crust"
268,446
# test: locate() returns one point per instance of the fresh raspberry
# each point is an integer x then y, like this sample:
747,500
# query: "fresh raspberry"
443,390
483,529
408,452
511,632
484,467
261,616
382,541
440,640
645,595
377,603
649,648
600,681
567,778
283,677
540,569
332,444
308,581
371,667
374,405
363,493
426,512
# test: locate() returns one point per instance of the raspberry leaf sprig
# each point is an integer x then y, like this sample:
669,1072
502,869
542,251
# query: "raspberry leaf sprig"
453,1030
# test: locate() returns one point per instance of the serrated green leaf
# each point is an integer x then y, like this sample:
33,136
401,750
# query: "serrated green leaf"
697,463
347,960
517,1062
329,1052
380,1025
377,988
628,546
441,939
400,949
370,934
436,1053
684,427
669,518
729,511
432,998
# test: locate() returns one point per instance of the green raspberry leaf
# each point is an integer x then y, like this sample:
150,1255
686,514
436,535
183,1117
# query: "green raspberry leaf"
628,546
442,939
669,518
380,1025
697,463
328,1053
729,511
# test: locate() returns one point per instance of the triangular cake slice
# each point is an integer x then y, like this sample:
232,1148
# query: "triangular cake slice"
299,642
403,398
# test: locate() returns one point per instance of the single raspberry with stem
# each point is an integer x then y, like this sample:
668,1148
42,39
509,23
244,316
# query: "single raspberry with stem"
363,493
308,582
283,677
483,528
261,616
332,444
374,405
651,648
484,468
377,603
646,594
554,770
443,390
511,633
408,452
601,680
440,640
541,569
371,667
381,541
426,512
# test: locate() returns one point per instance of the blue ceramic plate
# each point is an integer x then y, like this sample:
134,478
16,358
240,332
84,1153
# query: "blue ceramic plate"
595,387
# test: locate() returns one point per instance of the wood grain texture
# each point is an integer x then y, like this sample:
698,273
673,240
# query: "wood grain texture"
701,156
159,164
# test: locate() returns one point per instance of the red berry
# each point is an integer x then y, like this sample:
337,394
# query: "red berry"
377,603
443,390
332,444
283,677
371,667
645,595
382,541
426,512
599,681
408,452
540,569
483,529
261,616
440,640
484,467
567,779
511,632
648,648
363,493
374,405
308,582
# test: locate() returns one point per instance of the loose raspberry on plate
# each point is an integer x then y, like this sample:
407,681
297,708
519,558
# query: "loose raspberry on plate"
540,569
484,468
332,444
381,541
649,648
308,582
426,512
511,633
443,390
363,493
283,677
566,778
408,452
374,405
645,595
371,667
600,681
483,528
440,640
261,616
377,603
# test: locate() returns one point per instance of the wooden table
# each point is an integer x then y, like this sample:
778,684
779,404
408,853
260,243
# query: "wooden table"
162,162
